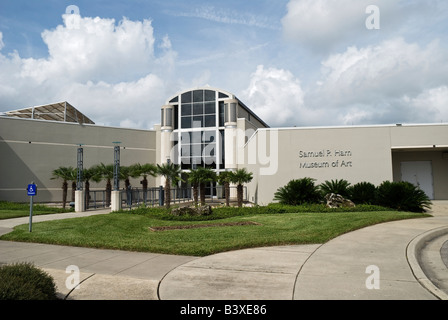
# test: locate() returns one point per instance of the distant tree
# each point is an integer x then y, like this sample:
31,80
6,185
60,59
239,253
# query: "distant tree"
172,173
90,174
194,177
74,180
207,175
144,170
240,177
224,179
125,175
66,174
107,173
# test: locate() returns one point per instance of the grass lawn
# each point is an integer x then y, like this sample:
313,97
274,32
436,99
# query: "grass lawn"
10,210
130,231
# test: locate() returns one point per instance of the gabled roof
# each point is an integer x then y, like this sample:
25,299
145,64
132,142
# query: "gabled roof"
60,111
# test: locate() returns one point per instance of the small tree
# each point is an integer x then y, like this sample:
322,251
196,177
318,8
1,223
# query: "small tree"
224,179
240,177
403,196
297,192
194,178
340,187
74,180
107,173
207,175
172,173
125,174
144,170
66,174
362,193
90,174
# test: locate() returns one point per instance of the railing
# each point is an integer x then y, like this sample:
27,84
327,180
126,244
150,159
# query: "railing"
155,196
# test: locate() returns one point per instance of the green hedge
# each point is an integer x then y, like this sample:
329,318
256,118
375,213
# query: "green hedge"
23,281
228,212
403,196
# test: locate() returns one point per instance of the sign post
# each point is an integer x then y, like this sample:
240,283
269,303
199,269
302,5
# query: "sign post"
31,191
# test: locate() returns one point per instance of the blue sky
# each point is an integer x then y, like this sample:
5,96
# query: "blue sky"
315,60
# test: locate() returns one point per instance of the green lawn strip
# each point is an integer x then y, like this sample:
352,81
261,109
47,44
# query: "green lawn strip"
127,231
9,210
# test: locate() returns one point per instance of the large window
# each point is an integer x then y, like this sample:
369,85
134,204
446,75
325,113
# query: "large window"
199,142
199,148
198,109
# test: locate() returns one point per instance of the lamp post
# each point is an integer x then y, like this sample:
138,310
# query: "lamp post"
116,165
80,199
80,163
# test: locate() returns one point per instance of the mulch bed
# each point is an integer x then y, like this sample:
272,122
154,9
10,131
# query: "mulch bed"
193,226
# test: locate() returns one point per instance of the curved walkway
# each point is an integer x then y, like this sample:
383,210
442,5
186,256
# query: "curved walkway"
375,262
389,261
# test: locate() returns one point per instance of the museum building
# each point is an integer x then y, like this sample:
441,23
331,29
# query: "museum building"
208,127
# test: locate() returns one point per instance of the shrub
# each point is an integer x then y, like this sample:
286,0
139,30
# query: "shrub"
335,186
298,191
362,193
23,281
403,196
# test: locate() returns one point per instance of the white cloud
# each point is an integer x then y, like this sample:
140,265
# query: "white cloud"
387,82
433,101
276,96
321,25
108,70
124,103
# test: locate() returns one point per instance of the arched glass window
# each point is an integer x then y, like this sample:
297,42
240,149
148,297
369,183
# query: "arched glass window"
198,109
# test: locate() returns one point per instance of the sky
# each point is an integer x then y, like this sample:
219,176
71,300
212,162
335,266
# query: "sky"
293,62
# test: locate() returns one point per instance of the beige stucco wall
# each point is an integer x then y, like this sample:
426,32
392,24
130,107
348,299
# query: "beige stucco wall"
31,149
353,153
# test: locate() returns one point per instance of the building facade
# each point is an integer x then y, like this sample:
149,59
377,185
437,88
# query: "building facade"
414,153
207,127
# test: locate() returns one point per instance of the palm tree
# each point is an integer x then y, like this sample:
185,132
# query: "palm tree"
126,174
224,179
144,170
207,175
107,173
199,177
240,177
74,180
172,173
90,174
66,174
194,178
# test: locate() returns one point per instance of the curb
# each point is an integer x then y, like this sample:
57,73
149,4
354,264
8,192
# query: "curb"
412,251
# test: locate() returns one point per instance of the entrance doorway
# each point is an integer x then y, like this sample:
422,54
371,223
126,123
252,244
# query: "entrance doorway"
419,173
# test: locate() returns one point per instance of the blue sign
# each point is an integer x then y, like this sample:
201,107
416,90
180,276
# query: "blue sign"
31,190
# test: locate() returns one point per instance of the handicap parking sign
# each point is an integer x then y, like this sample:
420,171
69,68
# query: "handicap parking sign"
31,190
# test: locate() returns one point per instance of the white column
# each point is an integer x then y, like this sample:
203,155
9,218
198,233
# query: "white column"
115,201
80,201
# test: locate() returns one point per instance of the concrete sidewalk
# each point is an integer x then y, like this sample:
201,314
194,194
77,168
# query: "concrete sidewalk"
406,256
